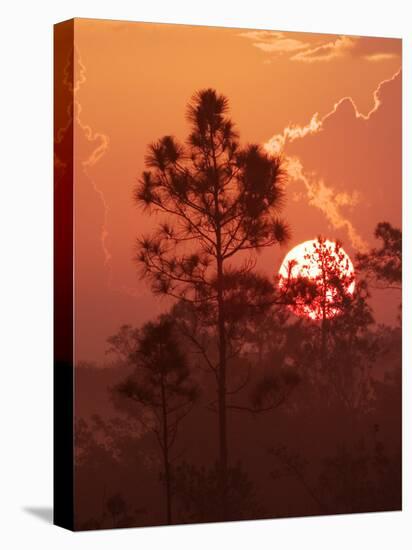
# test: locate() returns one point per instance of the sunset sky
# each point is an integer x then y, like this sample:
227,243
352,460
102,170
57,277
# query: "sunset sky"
330,104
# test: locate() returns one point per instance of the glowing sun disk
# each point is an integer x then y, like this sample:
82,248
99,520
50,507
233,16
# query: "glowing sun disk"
325,266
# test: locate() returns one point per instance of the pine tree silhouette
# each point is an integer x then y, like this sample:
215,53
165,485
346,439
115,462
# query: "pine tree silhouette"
219,201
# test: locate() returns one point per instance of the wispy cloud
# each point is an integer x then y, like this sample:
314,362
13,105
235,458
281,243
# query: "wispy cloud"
100,142
322,49
274,42
318,193
327,200
377,57
326,52
277,142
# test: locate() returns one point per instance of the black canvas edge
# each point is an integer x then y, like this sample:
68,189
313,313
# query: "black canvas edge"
63,369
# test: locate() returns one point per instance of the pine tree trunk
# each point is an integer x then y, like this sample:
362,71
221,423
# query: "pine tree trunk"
168,487
324,323
323,344
221,379
223,454
166,462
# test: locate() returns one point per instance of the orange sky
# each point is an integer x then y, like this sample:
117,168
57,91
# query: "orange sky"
133,83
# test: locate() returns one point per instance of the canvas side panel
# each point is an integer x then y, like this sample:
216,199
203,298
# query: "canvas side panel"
63,275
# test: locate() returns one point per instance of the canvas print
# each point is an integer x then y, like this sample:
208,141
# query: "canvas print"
228,274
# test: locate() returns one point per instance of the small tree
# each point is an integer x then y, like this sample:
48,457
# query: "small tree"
346,348
353,348
198,493
219,202
323,288
160,384
383,265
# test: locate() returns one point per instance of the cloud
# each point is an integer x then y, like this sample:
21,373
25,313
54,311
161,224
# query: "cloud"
306,48
348,162
326,52
376,57
327,200
369,49
277,142
99,144
274,42
377,49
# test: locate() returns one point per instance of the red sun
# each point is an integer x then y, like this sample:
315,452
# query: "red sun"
329,272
